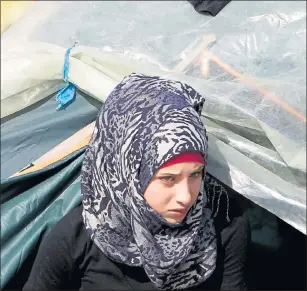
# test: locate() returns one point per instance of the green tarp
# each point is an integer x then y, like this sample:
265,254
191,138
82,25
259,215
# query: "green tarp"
32,132
30,206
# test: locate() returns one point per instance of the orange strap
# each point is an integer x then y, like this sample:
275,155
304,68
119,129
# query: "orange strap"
78,140
250,81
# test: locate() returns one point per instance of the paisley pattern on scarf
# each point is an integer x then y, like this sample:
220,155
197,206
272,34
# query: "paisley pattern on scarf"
144,122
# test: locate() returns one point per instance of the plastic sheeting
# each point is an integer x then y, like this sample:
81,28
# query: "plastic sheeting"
249,61
11,11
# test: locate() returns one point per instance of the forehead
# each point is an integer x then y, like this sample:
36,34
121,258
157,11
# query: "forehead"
181,168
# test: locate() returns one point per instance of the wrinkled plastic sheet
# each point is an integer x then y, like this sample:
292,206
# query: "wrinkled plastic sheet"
249,61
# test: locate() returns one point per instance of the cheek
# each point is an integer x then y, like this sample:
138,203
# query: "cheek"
157,196
195,185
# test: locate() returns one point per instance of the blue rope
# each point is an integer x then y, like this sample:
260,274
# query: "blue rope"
66,95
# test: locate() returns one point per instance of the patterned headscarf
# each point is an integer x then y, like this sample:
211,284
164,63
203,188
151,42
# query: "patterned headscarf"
144,122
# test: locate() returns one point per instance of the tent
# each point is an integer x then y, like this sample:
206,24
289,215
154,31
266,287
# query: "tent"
249,61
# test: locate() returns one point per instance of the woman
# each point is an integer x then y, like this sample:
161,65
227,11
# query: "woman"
146,221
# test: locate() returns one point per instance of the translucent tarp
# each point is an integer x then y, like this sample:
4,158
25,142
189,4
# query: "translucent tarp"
249,61
11,11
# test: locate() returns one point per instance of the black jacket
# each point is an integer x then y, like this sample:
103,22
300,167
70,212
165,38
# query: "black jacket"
68,259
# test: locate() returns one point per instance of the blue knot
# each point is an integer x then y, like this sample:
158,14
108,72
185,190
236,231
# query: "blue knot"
67,94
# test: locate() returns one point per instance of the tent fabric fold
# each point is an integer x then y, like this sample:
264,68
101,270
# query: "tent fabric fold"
31,205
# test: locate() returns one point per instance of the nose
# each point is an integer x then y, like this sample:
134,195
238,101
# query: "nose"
183,194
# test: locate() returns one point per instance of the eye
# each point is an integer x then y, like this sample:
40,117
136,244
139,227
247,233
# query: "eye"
167,178
196,174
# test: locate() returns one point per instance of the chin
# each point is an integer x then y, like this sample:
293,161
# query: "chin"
173,220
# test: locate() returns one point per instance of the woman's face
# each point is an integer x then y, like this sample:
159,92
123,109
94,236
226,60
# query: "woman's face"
174,189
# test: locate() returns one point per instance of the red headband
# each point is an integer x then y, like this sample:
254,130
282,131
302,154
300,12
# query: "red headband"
186,157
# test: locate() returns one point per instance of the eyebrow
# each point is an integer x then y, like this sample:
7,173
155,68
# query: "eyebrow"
176,174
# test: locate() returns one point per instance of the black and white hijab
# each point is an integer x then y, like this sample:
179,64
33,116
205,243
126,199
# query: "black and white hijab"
144,122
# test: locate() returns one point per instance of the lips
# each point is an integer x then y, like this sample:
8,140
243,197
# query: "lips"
179,212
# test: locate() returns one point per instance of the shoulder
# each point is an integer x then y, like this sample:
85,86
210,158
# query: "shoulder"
55,263
236,232
230,219
233,233
237,226
68,236
69,226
